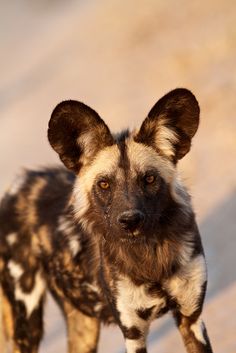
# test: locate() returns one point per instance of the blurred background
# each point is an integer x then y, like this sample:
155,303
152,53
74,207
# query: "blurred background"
120,57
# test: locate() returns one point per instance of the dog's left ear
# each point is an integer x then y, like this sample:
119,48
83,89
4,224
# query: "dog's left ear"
171,124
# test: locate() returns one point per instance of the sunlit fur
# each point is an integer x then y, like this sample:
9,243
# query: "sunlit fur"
125,253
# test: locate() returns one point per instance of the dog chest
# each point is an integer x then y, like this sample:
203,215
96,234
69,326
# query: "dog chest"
138,303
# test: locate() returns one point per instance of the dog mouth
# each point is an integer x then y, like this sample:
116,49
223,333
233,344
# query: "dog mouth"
133,236
134,233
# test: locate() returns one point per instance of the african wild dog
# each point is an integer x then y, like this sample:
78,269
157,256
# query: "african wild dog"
113,238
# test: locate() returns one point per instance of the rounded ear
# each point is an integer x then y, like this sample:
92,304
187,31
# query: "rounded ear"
76,132
171,124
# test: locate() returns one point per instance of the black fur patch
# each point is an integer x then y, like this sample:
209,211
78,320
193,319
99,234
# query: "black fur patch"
141,350
145,313
132,333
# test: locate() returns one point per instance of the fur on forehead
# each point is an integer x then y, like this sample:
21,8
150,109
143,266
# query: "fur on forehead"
144,157
141,158
105,162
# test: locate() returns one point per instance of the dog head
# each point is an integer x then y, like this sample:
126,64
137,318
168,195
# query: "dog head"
126,183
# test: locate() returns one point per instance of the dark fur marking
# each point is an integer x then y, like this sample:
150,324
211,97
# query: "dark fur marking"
28,331
124,162
145,313
122,136
141,350
132,333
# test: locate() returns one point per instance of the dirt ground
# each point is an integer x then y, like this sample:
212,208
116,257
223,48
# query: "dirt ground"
119,58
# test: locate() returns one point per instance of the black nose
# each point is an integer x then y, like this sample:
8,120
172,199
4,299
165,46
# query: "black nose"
131,220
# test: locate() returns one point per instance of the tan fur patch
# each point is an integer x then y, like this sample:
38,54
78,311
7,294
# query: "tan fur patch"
6,324
57,289
1,264
67,263
26,205
44,239
83,331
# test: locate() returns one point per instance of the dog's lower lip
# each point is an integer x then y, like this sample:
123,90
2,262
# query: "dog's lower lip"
135,233
132,235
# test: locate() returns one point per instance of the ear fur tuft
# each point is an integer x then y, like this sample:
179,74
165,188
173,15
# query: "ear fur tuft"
171,124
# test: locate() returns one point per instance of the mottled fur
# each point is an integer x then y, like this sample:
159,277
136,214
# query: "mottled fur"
114,239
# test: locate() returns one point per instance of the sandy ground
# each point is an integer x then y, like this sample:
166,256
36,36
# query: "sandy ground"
120,57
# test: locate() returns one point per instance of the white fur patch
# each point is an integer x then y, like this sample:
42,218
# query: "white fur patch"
186,285
74,245
11,238
31,300
64,225
131,298
15,269
133,345
198,328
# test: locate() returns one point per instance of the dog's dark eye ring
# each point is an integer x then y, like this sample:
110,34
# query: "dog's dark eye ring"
104,185
149,179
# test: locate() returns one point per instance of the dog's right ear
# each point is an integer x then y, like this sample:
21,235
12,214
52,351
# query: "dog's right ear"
76,132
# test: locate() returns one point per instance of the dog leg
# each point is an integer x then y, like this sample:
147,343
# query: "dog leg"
82,330
134,329
21,334
187,289
135,308
23,308
194,333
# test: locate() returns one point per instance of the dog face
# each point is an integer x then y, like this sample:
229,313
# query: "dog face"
126,182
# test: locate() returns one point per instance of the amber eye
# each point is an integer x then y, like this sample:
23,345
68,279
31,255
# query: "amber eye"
104,185
149,179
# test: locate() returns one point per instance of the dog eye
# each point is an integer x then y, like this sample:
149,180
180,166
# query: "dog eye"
104,185
149,179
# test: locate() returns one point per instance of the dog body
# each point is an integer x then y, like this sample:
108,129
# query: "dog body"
114,238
